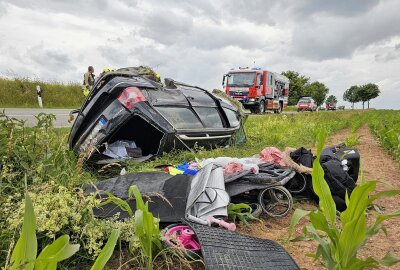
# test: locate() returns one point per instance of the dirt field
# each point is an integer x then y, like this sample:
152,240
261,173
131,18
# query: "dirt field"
376,165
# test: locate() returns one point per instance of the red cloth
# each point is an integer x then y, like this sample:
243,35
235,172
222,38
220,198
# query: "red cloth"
272,154
233,167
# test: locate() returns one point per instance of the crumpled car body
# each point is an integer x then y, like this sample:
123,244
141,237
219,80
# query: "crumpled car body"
125,105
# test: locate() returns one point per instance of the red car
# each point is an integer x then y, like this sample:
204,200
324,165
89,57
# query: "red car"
306,104
331,106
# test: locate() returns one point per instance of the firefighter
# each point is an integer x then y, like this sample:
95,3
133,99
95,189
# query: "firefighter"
88,81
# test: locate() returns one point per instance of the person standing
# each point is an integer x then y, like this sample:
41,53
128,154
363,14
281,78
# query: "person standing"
88,81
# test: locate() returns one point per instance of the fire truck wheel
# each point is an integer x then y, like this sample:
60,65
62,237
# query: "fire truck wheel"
261,107
279,110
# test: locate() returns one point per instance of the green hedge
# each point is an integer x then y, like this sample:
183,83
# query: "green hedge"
17,93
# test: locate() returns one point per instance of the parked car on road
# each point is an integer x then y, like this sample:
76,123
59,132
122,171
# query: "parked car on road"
129,109
306,104
331,106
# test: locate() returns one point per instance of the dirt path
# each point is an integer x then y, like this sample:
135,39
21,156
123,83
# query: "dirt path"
376,165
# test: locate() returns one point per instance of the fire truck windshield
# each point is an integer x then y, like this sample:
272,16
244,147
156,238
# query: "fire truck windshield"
241,79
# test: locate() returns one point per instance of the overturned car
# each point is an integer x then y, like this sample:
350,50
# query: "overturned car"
130,109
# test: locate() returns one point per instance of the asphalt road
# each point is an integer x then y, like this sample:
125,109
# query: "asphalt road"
28,115
62,115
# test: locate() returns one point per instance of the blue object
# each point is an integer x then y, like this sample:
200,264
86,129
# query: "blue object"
102,121
185,168
190,172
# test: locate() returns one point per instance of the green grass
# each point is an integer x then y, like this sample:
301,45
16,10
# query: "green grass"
21,93
293,130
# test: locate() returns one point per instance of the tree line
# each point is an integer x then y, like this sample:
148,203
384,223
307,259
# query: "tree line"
361,93
301,86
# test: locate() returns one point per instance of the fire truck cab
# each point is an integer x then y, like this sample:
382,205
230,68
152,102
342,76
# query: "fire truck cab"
257,89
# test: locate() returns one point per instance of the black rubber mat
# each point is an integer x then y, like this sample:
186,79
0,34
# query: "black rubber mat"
223,250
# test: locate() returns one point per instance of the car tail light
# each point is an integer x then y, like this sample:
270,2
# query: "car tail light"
130,96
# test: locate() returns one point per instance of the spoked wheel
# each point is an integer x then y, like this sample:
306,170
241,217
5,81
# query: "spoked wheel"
276,201
297,184
183,237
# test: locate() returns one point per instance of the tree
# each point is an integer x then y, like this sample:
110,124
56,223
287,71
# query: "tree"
331,99
351,95
367,92
296,86
372,91
318,91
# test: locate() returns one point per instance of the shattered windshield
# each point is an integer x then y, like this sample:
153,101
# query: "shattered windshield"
241,79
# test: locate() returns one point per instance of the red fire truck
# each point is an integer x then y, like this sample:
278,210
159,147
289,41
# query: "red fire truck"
257,89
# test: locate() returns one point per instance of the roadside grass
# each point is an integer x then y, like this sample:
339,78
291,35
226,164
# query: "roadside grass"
292,130
55,176
21,93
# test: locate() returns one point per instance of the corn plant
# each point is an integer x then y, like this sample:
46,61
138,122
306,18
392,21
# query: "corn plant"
107,251
241,211
146,227
340,240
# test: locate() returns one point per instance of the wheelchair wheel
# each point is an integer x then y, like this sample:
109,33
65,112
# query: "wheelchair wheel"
297,184
275,201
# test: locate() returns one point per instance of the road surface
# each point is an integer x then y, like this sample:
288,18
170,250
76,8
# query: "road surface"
28,114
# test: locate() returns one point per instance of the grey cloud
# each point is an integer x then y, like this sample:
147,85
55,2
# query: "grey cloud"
393,54
49,59
114,56
99,9
215,37
342,8
327,38
166,27
258,11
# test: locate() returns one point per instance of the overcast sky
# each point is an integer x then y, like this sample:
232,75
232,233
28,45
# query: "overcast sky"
339,43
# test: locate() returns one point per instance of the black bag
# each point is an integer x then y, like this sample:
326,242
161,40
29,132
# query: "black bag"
304,157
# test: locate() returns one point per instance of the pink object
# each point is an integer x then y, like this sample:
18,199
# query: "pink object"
185,237
272,154
233,167
221,223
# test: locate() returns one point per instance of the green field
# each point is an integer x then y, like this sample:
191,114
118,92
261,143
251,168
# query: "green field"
39,157
21,93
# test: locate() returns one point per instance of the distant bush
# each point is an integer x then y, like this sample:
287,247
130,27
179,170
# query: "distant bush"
21,92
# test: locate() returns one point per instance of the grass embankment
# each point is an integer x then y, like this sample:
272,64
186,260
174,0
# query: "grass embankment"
21,93
40,156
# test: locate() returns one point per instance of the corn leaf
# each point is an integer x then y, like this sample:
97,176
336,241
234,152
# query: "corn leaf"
24,253
386,193
389,260
139,200
297,215
379,219
118,202
107,251
320,186
57,251
354,223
